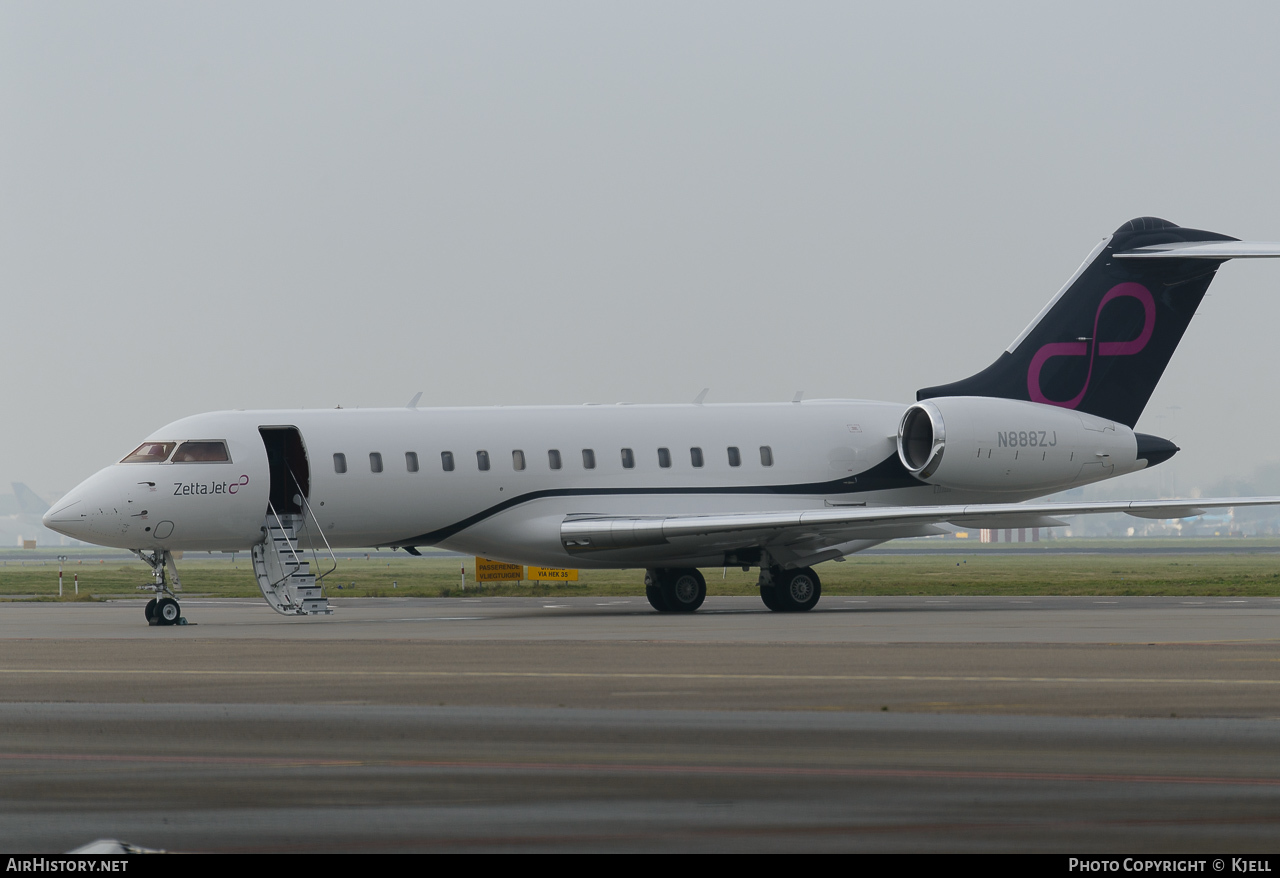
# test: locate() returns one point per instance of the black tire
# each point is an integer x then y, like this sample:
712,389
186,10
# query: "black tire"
798,590
653,590
684,589
769,595
150,611
656,600
168,612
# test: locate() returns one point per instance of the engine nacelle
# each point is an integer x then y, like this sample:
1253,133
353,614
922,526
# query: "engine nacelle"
986,444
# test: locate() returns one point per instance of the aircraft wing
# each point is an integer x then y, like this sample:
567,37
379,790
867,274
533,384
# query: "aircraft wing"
805,533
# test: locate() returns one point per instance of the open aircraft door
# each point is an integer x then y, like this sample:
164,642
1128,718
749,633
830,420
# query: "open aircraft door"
291,531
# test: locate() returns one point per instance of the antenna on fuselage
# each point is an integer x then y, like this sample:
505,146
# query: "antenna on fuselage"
697,400
799,396
413,403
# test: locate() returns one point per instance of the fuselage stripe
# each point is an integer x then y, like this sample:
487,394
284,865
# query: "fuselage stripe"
886,475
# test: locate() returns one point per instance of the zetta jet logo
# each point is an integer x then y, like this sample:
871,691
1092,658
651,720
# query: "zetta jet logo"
187,489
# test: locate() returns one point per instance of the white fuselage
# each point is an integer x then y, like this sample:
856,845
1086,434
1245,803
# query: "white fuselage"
816,454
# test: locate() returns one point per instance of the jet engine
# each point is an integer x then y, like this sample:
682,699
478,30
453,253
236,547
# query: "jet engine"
988,444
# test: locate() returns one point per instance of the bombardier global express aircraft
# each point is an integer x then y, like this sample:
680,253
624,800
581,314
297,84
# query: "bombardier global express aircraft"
671,488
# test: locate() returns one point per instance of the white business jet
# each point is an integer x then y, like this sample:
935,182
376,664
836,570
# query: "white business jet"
671,488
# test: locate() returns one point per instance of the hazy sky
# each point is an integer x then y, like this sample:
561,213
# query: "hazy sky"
250,205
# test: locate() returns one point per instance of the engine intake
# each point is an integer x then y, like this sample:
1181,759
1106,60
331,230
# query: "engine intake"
922,438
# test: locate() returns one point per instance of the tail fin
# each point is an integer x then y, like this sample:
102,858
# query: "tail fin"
28,500
1101,345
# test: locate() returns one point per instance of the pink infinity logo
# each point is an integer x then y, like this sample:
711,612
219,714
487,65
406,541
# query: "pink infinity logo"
1093,348
235,486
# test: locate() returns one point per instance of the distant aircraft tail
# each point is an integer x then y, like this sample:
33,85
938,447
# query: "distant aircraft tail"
1101,345
29,501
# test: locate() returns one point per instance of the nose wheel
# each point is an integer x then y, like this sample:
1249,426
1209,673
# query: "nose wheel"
164,608
165,611
168,612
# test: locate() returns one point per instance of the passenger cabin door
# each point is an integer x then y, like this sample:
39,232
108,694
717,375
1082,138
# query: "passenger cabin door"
290,473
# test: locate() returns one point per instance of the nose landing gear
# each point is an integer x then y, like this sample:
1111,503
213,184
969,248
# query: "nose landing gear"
163,609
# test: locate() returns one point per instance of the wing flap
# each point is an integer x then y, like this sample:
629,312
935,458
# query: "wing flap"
1159,512
995,522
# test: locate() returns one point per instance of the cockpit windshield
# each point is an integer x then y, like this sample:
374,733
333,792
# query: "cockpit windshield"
202,451
151,452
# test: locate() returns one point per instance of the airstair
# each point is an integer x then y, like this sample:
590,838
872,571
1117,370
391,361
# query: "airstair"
284,577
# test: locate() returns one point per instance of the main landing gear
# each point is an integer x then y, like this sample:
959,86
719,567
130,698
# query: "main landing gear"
789,591
163,609
682,589
675,589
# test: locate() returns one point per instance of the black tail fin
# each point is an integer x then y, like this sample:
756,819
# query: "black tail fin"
1103,342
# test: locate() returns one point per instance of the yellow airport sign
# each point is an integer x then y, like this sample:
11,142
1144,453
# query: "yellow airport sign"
551,574
497,571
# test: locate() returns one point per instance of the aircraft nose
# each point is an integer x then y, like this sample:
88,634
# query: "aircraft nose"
89,511
68,517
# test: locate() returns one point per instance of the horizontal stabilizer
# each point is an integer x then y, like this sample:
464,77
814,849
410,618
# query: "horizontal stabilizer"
1205,250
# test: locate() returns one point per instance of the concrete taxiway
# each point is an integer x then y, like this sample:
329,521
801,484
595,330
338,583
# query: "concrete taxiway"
1127,724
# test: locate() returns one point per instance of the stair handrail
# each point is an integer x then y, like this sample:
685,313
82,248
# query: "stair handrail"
293,551
307,510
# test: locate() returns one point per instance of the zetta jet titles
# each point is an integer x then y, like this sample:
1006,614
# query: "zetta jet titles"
671,488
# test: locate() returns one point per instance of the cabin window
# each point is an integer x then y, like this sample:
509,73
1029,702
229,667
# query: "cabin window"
517,460
588,459
553,458
339,463
203,451
375,462
446,461
482,461
735,459
411,461
628,459
766,455
664,457
151,452
695,456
